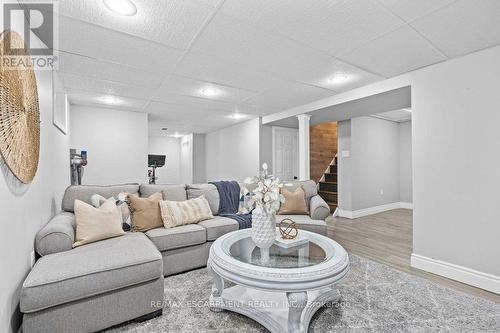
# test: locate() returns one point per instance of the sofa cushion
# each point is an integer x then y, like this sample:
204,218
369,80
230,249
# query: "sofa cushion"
209,191
90,270
85,192
56,236
173,238
170,192
304,222
218,226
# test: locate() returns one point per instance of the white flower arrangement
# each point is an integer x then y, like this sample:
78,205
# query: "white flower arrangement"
266,195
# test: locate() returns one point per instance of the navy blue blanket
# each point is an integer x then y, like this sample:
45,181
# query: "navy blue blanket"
229,203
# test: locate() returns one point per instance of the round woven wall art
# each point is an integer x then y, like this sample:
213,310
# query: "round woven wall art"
19,113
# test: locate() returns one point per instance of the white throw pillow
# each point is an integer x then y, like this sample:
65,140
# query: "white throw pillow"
177,213
97,200
94,224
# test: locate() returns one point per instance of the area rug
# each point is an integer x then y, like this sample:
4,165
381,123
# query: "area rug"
375,298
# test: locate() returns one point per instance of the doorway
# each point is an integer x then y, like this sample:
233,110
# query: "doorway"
285,153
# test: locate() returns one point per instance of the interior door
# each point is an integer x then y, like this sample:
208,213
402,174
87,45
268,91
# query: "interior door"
285,153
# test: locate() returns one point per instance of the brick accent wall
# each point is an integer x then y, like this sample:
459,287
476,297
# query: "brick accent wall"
323,147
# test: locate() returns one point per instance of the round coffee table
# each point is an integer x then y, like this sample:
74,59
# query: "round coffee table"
281,291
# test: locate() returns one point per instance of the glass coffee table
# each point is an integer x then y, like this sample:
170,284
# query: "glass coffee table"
282,288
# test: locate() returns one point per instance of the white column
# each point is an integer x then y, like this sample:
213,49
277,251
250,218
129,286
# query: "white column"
304,172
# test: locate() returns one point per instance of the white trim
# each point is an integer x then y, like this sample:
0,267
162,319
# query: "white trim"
373,210
304,147
336,212
406,205
455,272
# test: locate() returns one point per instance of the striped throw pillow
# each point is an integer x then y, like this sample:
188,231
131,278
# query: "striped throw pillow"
176,213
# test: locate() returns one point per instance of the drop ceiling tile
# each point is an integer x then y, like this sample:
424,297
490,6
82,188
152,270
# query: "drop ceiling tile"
172,22
117,47
255,49
103,70
198,106
212,69
330,26
463,27
193,102
106,101
410,10
321,75
77,82
288,95
193,108
208,3
184,125
185,86
398,52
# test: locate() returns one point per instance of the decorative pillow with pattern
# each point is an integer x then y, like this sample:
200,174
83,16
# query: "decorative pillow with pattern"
177,213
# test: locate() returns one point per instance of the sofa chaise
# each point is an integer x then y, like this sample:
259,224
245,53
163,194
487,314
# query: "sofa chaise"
98,285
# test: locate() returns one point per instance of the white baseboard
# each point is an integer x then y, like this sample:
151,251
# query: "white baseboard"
352,214
455,272
336,212
406,205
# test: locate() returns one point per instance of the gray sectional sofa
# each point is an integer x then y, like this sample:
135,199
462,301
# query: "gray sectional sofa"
102,284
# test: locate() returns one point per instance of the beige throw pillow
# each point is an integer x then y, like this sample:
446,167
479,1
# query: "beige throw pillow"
145,212
176,213
295,202
94,224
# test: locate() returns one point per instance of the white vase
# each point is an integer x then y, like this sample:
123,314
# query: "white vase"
263,228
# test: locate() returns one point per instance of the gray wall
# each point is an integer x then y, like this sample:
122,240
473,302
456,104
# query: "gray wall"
379,162
374,162
456,138
344,174
233,153
266,146
199,171
455,135
171,148
405,163
116,141
26,208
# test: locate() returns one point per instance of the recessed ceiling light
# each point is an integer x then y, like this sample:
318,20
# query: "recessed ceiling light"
338,78
110,99
176,135
236,115
122,7
209,92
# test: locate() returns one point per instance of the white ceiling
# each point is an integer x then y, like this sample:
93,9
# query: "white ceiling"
398,116
261,56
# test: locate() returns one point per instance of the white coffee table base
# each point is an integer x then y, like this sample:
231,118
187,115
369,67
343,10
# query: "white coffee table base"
276,311
281,299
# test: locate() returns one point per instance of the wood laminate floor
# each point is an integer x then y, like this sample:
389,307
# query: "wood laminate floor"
387,238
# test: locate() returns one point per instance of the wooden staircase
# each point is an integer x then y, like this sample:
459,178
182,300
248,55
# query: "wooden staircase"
328,187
